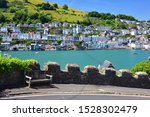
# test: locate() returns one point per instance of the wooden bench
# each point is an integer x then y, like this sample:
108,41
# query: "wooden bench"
37,77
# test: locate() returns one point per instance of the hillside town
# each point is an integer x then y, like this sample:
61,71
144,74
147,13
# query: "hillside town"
67,36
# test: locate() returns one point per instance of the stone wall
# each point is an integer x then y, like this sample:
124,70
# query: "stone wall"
92,75
73,75
11,80
17,78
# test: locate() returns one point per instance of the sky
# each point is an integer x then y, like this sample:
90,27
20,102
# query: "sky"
140,9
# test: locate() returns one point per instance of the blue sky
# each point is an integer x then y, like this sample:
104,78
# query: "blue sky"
140,9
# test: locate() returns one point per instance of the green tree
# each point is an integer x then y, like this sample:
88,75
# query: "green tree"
0,40
26,1
45,6
65,7
21,16
59,42
34,16
86,22
55,5
122,16
3,4
44,18
2,18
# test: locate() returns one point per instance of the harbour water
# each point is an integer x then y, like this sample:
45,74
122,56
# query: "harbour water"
121,59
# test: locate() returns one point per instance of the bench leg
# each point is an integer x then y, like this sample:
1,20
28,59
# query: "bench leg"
29,85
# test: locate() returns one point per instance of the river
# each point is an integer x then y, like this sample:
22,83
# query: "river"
121,59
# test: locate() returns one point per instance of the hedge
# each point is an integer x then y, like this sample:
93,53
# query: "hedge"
8,64
143,66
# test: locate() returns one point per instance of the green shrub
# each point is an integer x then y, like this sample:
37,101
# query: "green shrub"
8,64
143,67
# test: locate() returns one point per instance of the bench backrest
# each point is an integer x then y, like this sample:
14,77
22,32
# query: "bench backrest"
36,74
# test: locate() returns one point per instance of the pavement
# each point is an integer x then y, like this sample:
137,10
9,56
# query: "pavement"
66,90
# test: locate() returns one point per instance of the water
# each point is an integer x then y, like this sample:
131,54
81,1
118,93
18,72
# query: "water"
121,59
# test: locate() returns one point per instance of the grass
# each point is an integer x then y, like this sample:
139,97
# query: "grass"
70,15
36,1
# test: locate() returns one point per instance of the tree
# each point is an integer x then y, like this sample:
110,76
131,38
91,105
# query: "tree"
34,16
122,16
26,1
65,7
44,18
0,39
2,18
86,22
3,3
45,6
21,16
55,5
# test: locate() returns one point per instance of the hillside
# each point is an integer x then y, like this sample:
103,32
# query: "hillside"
35,11
58,14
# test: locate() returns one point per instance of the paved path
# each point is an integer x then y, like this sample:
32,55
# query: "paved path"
73,91
77,97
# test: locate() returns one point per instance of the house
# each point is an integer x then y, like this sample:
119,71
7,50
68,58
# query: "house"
67,31
46,25
32,25
23,36
15,30
103,28
112,44
44,37
65,24
66,43
125,32
18,47
54,37
25,25
37,47
39,25
46,30
5,46
36,36
146,46
78,29
136,45
133,32
4,29
6,38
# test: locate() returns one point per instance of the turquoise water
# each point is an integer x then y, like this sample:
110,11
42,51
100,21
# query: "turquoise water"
119,58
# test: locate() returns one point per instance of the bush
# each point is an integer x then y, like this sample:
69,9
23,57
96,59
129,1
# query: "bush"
65,7
143,67
55,5
46,6
8,64
13,9
2,18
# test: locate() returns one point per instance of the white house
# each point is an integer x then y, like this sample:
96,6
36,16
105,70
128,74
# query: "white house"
125,32
146,46
103,28
5,46
6,38
46,30
136,45
44,37
133,32
112,44
4,29
67,31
